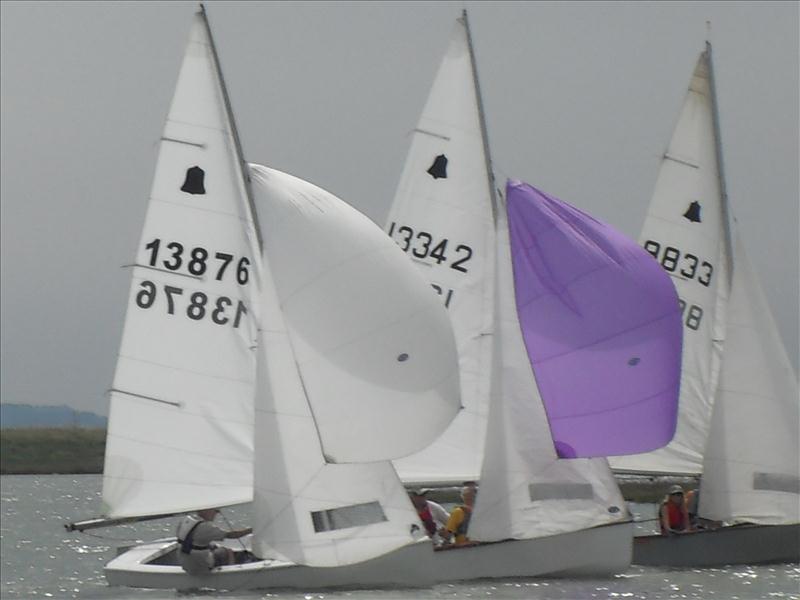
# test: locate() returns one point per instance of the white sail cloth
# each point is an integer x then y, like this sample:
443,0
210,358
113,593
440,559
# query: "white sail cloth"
357,364
739,420
751,467
441,217
181,418
685,231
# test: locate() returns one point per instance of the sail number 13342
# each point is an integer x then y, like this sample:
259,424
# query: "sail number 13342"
422,244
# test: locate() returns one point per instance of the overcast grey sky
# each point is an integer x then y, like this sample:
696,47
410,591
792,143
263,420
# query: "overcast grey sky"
580,100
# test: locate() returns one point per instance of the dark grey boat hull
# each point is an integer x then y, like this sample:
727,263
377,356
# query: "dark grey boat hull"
739,544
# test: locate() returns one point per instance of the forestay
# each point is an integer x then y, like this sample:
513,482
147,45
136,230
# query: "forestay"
686,231
180,427
357,363
441,217
526,490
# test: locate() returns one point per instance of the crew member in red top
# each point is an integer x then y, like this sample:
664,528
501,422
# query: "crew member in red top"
673,516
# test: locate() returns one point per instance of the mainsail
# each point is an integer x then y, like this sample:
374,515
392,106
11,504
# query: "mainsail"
686,230
441,217
357,364
181,418
739,419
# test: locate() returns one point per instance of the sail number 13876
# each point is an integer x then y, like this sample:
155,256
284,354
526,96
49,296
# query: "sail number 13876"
197,261
197,305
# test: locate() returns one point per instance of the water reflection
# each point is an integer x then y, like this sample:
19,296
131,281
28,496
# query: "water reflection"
41,560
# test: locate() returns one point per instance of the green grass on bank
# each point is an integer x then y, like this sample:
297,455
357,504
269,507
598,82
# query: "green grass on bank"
79,450
68,450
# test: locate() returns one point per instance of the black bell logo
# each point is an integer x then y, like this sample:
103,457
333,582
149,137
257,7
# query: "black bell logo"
438,169
693,212
194,181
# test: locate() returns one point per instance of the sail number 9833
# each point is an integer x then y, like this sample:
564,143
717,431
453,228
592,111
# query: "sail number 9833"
670,259
422,244
198,305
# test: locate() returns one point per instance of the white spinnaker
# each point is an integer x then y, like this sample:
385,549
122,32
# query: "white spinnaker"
374,346
293,481
341,303
751,471
525,490
180,425
685,229
429,208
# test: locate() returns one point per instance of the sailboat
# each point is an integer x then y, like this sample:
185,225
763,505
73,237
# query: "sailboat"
739,419
533,432
277,349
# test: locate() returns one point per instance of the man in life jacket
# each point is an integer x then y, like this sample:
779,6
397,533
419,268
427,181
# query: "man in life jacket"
673,516
433,515
196,533
458,523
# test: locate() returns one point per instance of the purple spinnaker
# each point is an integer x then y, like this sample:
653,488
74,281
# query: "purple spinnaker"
602,327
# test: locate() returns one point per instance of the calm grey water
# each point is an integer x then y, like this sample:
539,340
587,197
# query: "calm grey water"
42,560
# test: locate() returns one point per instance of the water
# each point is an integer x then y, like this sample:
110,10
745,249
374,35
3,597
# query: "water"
43,560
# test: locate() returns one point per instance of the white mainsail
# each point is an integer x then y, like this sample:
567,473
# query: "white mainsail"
445,201
739,418
686,231
181,418
442,218
355,348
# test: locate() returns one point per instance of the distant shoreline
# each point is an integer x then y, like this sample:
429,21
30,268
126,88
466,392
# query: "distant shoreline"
81,451
52,450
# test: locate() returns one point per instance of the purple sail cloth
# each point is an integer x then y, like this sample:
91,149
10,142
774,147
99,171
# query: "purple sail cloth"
602,327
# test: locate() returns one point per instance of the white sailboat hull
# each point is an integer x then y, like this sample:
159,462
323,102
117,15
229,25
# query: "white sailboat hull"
154,566
739,544
598,551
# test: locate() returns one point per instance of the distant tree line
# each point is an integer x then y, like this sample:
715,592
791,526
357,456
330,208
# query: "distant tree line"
68,450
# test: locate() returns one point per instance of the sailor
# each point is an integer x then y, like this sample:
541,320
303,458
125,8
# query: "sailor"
196,535
458,522
673,516
433,515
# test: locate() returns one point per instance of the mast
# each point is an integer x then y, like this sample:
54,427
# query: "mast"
481,117
234,131
720,169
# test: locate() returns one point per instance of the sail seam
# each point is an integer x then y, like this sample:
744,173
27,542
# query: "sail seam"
235,216
604,339
185,370
215,456
615,409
